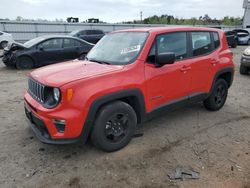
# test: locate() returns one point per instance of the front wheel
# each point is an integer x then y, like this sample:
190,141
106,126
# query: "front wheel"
114,126
24,63
218,96
234,45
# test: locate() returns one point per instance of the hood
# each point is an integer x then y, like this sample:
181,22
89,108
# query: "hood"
63,73
13,46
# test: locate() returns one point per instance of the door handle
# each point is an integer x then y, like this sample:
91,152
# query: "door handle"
185,68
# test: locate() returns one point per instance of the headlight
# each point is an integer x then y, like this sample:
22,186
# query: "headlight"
52,97
247,51
56,93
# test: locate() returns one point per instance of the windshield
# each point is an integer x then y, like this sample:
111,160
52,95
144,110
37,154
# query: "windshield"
32,42
118,48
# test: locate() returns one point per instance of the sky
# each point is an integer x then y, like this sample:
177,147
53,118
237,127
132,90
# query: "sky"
113,11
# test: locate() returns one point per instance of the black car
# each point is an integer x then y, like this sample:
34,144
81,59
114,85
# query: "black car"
45,50
92,36
232,39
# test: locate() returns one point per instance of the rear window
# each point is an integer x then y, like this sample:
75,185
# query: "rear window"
201,43
216,40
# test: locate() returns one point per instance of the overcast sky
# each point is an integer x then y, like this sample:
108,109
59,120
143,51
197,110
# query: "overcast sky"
118,10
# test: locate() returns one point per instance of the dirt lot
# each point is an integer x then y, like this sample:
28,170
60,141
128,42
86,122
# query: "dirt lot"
216,144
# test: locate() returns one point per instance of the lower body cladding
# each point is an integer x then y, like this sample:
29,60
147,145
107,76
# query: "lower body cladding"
60,127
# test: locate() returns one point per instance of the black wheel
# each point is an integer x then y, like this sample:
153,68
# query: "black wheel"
3,44
234,45
82,56
114,126
24,63
244,70
218,97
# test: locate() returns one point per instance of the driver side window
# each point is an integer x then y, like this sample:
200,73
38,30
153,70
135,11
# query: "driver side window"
173,42
170,42
52,44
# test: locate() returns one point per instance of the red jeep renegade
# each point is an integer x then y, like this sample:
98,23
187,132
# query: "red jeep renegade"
127,78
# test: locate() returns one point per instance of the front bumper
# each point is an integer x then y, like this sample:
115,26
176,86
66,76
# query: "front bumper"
245,60
41,131
9,59
41,122
242,42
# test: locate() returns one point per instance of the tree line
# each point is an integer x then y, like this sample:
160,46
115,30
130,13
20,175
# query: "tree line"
202,20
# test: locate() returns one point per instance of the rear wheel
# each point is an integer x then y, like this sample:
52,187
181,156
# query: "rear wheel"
24,63
114,126
82,56
244,70
218,97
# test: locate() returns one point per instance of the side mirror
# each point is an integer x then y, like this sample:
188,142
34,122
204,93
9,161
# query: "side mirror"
165,58
40,48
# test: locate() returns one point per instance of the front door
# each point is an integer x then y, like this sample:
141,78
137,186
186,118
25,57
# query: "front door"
49,51
169,83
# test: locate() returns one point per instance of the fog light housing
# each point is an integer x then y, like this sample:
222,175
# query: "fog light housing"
60,125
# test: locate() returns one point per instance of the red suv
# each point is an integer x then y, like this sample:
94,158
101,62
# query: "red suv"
127,78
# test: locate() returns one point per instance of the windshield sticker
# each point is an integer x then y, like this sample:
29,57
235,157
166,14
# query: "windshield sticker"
131,49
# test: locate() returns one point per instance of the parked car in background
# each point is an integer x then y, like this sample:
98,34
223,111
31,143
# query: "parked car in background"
245,62
45,50
243,36
92,36
232,39
5,38
128,77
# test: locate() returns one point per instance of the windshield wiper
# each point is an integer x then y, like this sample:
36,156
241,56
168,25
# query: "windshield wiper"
100,62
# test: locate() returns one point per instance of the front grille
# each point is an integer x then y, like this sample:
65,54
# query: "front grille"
36,90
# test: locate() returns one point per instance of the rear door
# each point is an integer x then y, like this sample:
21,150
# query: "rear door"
205,59
70,49
171,82
49,51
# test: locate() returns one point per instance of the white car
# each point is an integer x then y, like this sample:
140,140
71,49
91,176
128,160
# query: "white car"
4,39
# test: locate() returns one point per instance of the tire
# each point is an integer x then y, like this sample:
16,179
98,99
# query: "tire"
218,96
3,44
82,56
24,63
244,70
114,126
234,45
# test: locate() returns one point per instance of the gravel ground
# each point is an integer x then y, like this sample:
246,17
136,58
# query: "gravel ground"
216,144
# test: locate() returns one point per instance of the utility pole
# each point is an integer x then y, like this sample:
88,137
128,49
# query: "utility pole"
141,16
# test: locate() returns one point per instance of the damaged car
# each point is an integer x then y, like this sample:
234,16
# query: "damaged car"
45,50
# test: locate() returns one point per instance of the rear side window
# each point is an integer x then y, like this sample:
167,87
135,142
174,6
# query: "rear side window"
201,43
216,40
68,43
173,42
77,43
